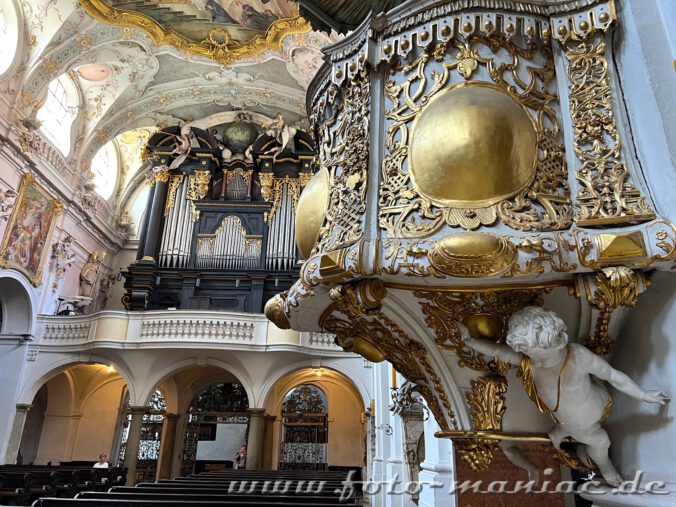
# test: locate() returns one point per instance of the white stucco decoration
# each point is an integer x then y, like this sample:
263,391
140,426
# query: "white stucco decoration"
564,380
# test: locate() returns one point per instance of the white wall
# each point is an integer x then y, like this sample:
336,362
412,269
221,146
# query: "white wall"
644,435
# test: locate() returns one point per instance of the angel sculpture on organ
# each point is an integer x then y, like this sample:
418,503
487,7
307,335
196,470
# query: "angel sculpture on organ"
182,146
564,380
281,132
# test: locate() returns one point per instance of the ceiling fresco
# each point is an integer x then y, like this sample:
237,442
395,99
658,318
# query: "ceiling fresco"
223,30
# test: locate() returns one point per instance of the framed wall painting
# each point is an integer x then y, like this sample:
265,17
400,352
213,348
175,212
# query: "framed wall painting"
25,245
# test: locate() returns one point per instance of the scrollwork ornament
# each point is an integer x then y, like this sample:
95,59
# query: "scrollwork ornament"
607,194
174,183
615,286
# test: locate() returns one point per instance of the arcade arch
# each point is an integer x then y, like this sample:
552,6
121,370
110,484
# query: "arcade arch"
346,430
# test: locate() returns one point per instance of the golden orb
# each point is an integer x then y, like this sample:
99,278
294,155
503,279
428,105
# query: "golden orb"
311,211
484,325
367,350
472,146
274,311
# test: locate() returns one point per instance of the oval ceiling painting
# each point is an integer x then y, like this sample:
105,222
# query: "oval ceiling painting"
223,30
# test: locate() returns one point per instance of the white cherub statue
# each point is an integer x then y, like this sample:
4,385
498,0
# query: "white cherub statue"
564,380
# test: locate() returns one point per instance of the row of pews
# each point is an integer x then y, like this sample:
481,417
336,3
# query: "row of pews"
231,488
23,484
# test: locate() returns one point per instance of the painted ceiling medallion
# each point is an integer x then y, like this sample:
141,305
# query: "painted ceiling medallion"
311,212
95,72
472,254
472,146
223,30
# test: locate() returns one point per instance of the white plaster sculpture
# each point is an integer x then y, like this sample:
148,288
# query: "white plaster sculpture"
182,146
282,134
564,380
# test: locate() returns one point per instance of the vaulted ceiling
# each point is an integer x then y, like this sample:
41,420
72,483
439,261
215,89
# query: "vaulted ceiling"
126,82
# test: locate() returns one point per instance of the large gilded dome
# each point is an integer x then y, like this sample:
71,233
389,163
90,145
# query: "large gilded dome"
472,146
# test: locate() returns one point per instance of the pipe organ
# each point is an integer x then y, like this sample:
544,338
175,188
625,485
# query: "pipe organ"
219,232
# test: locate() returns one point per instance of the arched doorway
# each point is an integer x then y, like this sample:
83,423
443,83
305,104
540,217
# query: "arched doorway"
151,435
304,439
216,426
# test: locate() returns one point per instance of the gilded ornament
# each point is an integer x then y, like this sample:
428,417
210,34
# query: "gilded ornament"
487,405
311,212
615,286
275,313
472,255
486,312
174,183
161,174
343,133
549,250
348,317
607,195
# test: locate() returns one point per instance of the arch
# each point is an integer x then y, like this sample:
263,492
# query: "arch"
344,403
267,388
11,35
174,368
31,387
308,375
17,298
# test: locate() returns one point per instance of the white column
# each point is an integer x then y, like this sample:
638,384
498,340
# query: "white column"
381,396
438,470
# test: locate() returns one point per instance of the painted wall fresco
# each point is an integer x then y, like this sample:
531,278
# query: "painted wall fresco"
27,237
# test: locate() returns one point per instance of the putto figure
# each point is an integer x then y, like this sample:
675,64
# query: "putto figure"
564,380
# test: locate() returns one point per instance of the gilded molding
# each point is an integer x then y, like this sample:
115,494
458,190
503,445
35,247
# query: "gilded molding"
217,45
607,195
174,183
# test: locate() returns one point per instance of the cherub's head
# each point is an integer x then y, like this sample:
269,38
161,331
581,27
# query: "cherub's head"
537,333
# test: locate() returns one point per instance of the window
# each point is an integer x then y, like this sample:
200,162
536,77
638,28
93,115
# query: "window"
138,209
58,114
9,36
104,167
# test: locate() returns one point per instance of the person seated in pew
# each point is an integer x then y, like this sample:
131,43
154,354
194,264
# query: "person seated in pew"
102,462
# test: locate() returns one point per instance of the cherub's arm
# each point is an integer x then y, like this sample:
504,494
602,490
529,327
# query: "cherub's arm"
502,352
620,381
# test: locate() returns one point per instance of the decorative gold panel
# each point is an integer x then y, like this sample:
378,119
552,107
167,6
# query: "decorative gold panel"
343,127
544,203
216,44
607,195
